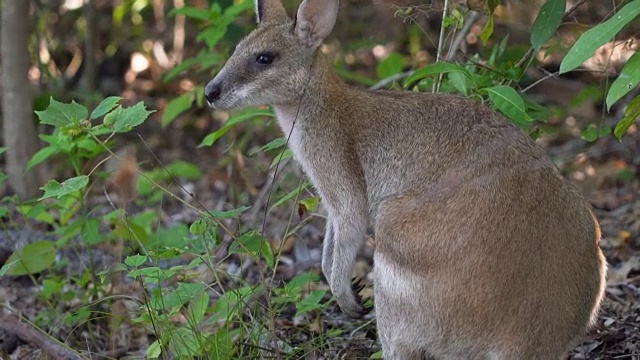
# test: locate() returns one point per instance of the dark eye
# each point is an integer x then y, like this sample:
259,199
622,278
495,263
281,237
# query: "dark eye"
265,58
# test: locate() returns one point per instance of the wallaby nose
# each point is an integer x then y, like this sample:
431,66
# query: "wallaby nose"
212,91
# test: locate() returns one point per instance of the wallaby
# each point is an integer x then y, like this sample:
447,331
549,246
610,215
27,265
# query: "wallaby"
483,250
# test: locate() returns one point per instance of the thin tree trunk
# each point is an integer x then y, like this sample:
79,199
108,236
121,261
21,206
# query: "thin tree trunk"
19,129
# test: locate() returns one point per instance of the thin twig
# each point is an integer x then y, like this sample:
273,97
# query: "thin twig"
471,19
445,11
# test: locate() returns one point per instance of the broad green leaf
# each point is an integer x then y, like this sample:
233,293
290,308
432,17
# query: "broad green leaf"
627,80
184,170
486,33
214,136
593,133
631,114
390,66
199,307
253,243
91,232
3,150
547,22
310,302
58,190
198,227
212,35
190,12
154,350
509,102
42,155
60,115
435,69
135,260
595,37
177,106
310,203
180,296
105,106
459,81
33,258
125,119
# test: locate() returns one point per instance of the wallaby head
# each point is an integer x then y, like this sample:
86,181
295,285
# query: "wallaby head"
273,64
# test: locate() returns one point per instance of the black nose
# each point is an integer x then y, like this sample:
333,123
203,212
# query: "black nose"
212,91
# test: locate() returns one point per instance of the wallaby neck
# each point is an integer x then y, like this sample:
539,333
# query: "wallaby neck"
321,86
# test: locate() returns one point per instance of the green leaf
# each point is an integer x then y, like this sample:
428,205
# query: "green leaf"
177,106
60,115
627,80
3,150
310,302
154,350
510,103
184,170
198,227
276,143
135,260
254,244
42,155
231,214
125,119
459,82
105,106
390,66
290,195
487,31
287,154
547,22
199,307
33,258
91,232
310,203
214,136
435,69
212,35
57,190
595,37
190,12
630,115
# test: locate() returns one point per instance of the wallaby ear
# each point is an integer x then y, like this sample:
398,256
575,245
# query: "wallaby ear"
315,20
270,11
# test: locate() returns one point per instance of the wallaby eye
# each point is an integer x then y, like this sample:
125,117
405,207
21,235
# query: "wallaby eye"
265,58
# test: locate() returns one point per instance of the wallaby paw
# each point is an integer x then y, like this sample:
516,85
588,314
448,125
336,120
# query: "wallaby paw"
353,306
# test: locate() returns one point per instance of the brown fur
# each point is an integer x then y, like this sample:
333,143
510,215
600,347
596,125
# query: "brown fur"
483,250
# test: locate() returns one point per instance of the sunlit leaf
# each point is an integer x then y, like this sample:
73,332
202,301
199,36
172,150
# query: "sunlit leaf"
60,115
631,114
547,22
486,33
56,189
214,136
595,37
42,155
125,119
105,106
627,80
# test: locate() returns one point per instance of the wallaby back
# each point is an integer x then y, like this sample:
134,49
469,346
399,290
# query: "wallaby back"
483,250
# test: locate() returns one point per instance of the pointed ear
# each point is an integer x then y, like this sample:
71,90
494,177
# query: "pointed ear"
315,20
270,11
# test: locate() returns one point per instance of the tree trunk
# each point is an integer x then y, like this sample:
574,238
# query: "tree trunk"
19,129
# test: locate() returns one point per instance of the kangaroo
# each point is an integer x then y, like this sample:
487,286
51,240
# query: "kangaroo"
483,249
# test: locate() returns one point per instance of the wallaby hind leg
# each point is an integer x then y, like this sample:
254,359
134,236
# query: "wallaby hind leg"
400,337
